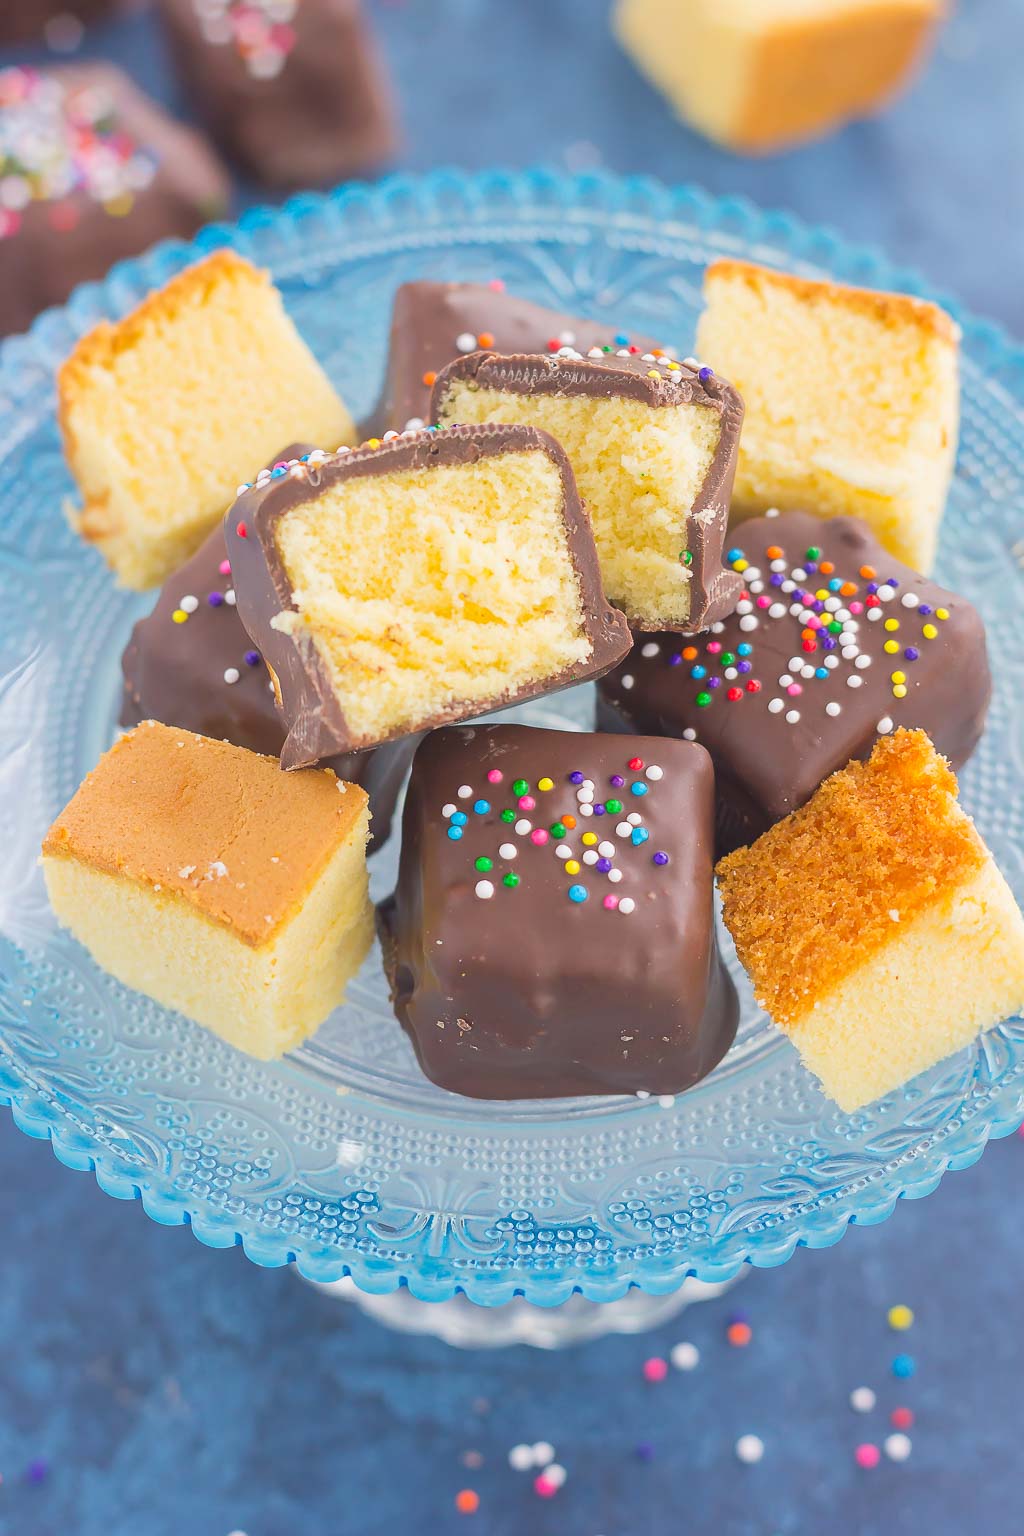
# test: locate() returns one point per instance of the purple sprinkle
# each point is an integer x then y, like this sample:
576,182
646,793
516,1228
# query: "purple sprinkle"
704,374
252,658
598,810
616,781
215,599
828,642
674,661
714,682
661,858
924,609
810,566
818,605
873,587
576,778
645,1451
37,1471
776,578
743,666
738,1317
892,582
911,653
603,866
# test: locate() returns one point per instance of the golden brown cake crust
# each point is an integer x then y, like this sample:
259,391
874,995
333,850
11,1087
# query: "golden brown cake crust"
815,896
890,309
223,828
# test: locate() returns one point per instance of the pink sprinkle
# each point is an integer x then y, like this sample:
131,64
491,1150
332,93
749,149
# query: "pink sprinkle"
495,776
225,567
713,647
281,464
814,622
655,1369
856,607
867,1456
764,602
794,689
527,803
611,902
538,835
496,285
544,1487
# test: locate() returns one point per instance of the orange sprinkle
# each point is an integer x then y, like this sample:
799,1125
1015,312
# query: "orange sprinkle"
467,1502
848,588
826,567
429,378
690,653
568,821
773,552
485,339
739,1334
808,634
657,352
868,572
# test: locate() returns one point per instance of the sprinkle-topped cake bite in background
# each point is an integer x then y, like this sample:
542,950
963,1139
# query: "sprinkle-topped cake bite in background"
852,400
831,644
875,926
552,931
200,874
434,323
163,413
294,90
652,442
191,664
419,580
758,75
92,171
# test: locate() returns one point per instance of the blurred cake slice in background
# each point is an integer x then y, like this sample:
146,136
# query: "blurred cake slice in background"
758,75
874,924
165,412
851,396
202,875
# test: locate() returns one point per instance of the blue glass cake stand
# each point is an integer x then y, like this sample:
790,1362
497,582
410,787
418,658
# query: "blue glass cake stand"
342,1159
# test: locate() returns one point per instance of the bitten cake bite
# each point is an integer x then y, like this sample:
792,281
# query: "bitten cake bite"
165,412
92,171
190,663
293,89
430,577
875,926
434,323
652,443
852,400
757,75
200,874
552,930
831,644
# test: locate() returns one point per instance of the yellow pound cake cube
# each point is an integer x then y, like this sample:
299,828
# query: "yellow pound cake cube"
874,924
756,75
165,412
202,875
852,400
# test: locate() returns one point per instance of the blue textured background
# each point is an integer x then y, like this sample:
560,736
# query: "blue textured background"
171,1389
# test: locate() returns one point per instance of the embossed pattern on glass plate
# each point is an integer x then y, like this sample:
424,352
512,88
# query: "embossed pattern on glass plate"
343,1158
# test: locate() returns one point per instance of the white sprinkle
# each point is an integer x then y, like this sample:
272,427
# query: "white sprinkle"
615,875
689,734
189,869
854,681
466,342
623,829
595,352
843,615
520,1458
627,905
862,662
484,889
690,362
585,796
543,1453
775,706
862,1399
784,680
634,818
606,850
831,662
755,586
653,772
585,810
591,856
231,675
777,611
832,604
563,851
189,604
799,574
897,1447
464,791
229,597
641,1093
894,913
730,674
587,784
773,512
390,436
884,725
523,826
744,606
749,622
448,810
788,586
666,1101
216,870
554,1474
567,338
510,851
749,1449
832,708
909,600
874,614
886,593
717,627
792,716
751,574
807,671
627,680
652,648
777,565
415,424
685,1356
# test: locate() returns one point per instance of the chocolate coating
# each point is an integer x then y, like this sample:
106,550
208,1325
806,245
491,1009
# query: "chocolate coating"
712,589
317,725
308,106
767,763
525,992
174,672
429,319
62,241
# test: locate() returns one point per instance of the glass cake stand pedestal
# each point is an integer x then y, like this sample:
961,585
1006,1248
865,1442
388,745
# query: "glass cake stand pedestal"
540,1221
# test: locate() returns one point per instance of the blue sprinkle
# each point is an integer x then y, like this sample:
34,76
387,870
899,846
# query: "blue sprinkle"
744,648
454,833
481,807
577,893
638,788
904,1366
698,672
459,818
275,474
621,341
834,584
734,554
639,835
821,672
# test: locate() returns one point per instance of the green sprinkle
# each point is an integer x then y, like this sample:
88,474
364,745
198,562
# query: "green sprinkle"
508,815
703,700
557,830
511,880
727,658
835,628
483,863
520,787
613,807
687,557
813,552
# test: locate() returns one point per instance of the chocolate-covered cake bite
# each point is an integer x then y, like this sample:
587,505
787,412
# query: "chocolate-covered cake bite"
418,581
191,664
832,644
652,442
552,931
92,171
294,90
59,22
432,324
